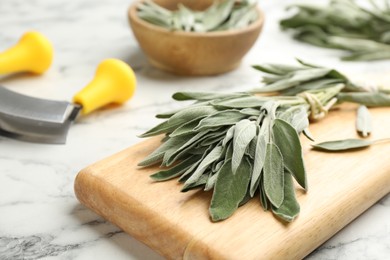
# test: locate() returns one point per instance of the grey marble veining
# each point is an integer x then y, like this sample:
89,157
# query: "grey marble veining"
39,214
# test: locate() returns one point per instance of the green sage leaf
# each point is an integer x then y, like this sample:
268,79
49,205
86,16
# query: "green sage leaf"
244,132
363,121
289,209
226,117
287,140
274,175
230,189
370,99
176,170
343,145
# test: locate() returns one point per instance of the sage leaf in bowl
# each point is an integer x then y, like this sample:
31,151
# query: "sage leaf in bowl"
220,16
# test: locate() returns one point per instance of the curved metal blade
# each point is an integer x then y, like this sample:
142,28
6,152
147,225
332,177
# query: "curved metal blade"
35,119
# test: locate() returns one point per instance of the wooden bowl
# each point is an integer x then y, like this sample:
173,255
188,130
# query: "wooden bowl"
193,53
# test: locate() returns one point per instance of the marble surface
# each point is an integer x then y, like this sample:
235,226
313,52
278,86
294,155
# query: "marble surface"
39,214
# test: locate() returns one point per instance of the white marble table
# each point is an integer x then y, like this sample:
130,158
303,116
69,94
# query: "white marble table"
39,214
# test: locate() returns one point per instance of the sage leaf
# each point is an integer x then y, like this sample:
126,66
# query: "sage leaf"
258,162
214,155
187,128
158,154
226,117
201,182
370,99
274,175
359,28
230,189
294,79
205,96
241,102
229,135
343,145
287,140
244,132
289,209
175,171
263,196
363,121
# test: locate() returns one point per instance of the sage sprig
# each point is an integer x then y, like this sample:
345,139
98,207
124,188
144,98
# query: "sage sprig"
364,32
221,15
243,145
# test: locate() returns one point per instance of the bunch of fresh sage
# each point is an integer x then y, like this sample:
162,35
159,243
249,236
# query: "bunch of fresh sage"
362,30
242,145
221,15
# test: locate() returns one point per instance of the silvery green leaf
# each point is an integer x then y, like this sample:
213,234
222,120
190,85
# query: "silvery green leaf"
176,21
289,209
163,127
294,79
183,116
251,148
201,182
226,117
205,96
190,113
273,176
244,132
187,18
250,111
154,19
174,154
380,54
263,196
241,102
299,118
287,140
211,181
276,69
229,190
370,99
314,84
176,170
190,170
217,166
308,135
363,121
158,154
217,137
258,162
343,145
214,155
246,19
217,14
246,199
187,128
229,135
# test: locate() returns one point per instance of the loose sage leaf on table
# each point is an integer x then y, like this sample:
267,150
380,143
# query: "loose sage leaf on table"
343,145
363,121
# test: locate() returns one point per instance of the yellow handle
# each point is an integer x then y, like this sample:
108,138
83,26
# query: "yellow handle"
33,53
114,82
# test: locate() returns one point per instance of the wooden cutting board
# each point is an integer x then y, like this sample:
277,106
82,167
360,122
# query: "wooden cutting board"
177,225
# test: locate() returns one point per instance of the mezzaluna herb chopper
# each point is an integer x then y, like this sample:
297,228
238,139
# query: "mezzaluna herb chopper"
48,121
